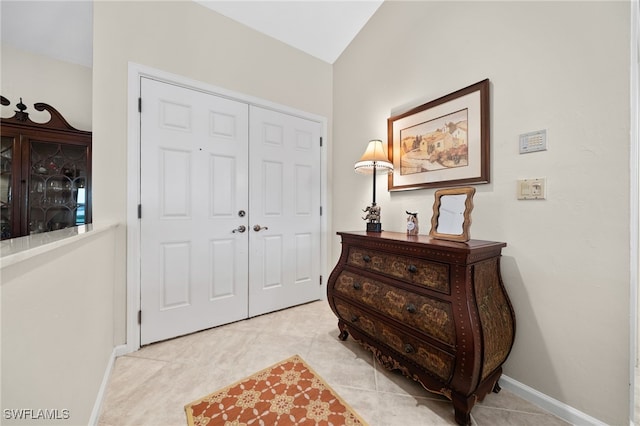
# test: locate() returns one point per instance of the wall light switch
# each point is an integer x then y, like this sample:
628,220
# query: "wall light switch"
532,189
533,141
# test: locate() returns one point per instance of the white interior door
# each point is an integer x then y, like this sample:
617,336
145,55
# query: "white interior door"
284,201
194,160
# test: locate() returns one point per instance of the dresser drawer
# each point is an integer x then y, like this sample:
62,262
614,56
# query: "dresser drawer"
425,314
433,360
421,272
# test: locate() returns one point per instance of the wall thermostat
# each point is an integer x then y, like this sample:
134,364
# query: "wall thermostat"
533,141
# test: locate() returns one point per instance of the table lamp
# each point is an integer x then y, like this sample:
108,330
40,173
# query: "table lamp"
374,160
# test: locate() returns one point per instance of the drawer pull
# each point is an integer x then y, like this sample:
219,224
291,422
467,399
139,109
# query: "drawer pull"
357,285
413,269
366,258
354,318
408,349
411,308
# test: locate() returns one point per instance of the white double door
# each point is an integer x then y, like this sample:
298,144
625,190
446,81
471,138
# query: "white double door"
230,210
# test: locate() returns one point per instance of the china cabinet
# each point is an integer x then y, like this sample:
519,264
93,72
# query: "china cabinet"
45,173
435,310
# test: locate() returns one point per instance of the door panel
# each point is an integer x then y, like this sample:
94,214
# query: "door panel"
221,259
285,202
194,149
175,171
272,265
175,277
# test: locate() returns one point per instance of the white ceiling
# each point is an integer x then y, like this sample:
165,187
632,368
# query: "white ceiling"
57,29
63,29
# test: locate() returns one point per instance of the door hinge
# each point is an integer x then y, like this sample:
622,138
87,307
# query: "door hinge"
320,210
139,211
139,317
321,280
320,140
139,104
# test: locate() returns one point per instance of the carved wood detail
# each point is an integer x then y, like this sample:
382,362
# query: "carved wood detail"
453,336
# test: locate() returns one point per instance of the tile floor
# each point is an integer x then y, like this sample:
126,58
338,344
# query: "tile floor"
152,385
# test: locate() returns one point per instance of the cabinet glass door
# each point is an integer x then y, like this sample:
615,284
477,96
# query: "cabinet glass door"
6,184
57,186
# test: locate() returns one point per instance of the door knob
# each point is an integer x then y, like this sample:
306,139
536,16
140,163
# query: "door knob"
240,229
258,228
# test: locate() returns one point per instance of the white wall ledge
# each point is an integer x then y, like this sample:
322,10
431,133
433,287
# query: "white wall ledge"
17,250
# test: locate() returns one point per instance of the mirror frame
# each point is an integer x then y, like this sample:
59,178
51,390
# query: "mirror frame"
466,224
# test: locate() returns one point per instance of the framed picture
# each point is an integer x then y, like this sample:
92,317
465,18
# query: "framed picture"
444,142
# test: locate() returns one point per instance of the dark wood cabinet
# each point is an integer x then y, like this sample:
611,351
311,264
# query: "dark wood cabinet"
45,173
435,310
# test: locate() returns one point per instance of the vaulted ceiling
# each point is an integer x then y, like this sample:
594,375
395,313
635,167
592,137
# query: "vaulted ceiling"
63,29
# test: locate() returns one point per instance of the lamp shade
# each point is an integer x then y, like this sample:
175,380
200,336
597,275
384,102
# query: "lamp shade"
374,158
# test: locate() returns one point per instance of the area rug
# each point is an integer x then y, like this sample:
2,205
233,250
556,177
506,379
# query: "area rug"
287,393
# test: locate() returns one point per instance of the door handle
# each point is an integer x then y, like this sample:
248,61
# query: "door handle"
240,229
259,228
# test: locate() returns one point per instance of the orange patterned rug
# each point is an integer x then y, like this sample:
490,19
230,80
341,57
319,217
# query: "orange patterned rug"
287,393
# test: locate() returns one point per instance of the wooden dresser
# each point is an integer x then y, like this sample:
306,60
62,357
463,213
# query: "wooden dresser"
435,310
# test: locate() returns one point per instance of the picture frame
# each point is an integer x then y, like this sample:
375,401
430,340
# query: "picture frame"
444,142
451,219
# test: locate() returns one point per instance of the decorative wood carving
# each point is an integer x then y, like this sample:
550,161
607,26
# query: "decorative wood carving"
21,117
435,310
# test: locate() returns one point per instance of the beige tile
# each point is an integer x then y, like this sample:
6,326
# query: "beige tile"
380,409
507,400
152,385
342,363
269,348
160,400
169,350
485,416
364,402
395,382
128,374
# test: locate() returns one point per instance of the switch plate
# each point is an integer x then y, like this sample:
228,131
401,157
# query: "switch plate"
532,189
533,142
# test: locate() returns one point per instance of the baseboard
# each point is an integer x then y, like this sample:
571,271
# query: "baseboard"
95,413
124,350
555,407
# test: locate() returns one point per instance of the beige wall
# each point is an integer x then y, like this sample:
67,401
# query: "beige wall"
563,67
64,86
187,39
57,329
57,308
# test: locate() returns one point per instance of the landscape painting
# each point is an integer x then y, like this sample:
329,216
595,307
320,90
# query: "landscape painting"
436,144
444,142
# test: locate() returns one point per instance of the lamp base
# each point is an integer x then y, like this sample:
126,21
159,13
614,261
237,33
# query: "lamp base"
374,227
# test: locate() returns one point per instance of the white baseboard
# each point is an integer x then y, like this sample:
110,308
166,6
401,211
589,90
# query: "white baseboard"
124,350
555,407
95,413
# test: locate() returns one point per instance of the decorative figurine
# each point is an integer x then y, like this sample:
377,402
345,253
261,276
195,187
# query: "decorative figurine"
373,216
412,223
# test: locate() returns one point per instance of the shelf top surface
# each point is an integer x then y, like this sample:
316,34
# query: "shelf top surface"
424,239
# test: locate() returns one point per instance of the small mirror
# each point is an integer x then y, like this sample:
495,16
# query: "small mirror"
451,218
